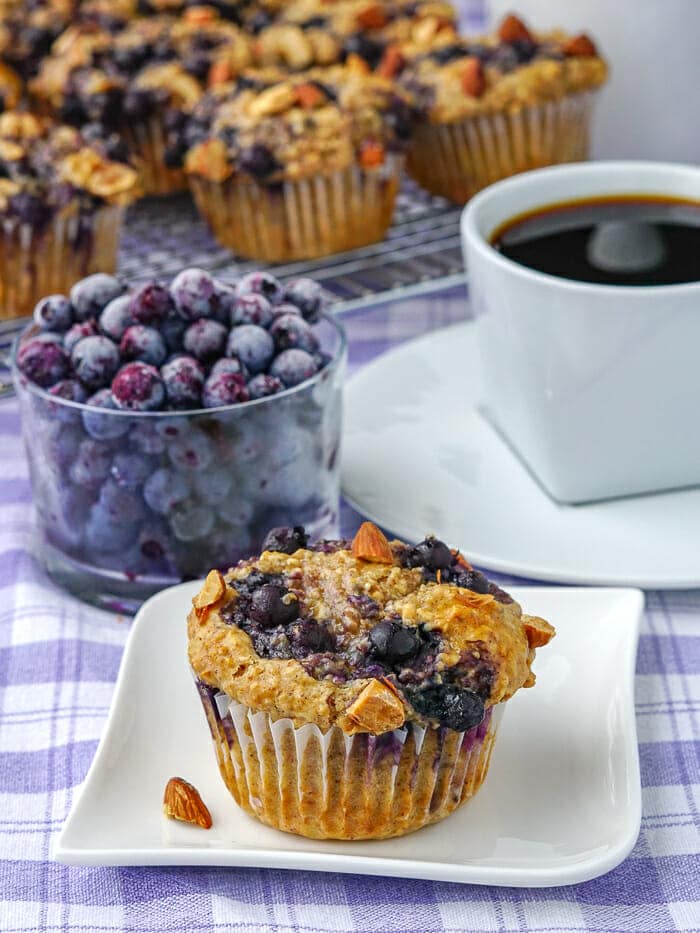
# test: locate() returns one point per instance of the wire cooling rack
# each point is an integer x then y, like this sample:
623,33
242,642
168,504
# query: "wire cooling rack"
421,253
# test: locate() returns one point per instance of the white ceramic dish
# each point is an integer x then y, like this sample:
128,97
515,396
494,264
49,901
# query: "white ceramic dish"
561,803
418,457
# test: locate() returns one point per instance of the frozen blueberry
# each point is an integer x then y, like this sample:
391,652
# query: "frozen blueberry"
307,296
124,506
190,521
272,605
72,391
192,451
454,707
138,387
194,293
262,385
393,643
286,540
224,388
151,304
63,443
205,339
213,485
143,343
95,361
290,330
104,427
225,300
78,332
130,469
43,362
261,283
91,464
105,535
164,489
145,438
229,364
293,366
154,542
116,317
252,345
54,313
183,378
252,308
172,330
90,295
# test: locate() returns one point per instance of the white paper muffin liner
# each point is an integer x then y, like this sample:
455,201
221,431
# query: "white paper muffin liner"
147,142
35,263
455,160
303,219
334,786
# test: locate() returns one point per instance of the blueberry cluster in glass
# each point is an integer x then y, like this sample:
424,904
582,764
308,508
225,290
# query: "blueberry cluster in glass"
199,343
267,609
135,481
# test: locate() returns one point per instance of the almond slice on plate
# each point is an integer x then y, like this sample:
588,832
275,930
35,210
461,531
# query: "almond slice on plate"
181,801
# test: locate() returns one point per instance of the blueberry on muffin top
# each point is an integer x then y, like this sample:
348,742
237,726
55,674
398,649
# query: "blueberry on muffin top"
365,635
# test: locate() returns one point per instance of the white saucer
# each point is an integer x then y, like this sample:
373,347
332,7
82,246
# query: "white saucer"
561,803
418,458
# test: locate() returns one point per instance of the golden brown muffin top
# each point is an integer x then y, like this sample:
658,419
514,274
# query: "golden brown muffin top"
365,636
450,79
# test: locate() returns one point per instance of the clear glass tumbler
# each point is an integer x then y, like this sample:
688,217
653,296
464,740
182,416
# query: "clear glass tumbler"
127,504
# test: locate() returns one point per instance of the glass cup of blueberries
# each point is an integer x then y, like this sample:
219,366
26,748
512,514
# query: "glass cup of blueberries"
169,428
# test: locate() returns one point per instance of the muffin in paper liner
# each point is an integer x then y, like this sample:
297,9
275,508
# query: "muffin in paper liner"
354,690
455,160
148,141
49,260
326,213
336,786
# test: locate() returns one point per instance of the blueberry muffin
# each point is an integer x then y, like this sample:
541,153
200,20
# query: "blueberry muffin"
27,30
62,198
510,102
300,167
10,88
353,690
141,80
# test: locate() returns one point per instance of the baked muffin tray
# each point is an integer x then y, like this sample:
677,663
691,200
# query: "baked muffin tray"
561,803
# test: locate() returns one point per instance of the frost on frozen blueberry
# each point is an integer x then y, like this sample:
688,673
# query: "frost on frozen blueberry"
193,451
130,469
262,385
290,330
262,283
293,366
252,345
78,332
194,293
90,295
104,427
164,489
229,364
72,391
138,387
91,464
95,361
151,304
116,317
205,339
190,520
307,295
183,378
252,308
43,362
224,388
54,313
144,344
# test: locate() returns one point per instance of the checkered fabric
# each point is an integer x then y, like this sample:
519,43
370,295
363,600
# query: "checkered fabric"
58,663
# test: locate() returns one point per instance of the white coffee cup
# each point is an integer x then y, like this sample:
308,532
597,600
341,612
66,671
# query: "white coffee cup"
649,107
597,387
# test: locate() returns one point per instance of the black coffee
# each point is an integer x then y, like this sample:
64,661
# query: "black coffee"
629,240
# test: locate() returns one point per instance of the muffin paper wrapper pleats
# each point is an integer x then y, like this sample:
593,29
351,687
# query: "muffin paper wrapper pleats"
35,263
327,213
334,786
147,142
455,160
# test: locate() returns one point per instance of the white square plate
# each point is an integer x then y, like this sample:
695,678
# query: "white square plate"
561,803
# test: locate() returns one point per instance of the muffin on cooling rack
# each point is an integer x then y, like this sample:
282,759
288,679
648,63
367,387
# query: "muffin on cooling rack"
353,691
62,198
510,102
299,167
141,80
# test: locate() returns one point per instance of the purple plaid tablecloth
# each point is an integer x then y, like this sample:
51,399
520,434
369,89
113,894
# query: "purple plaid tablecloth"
58,663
